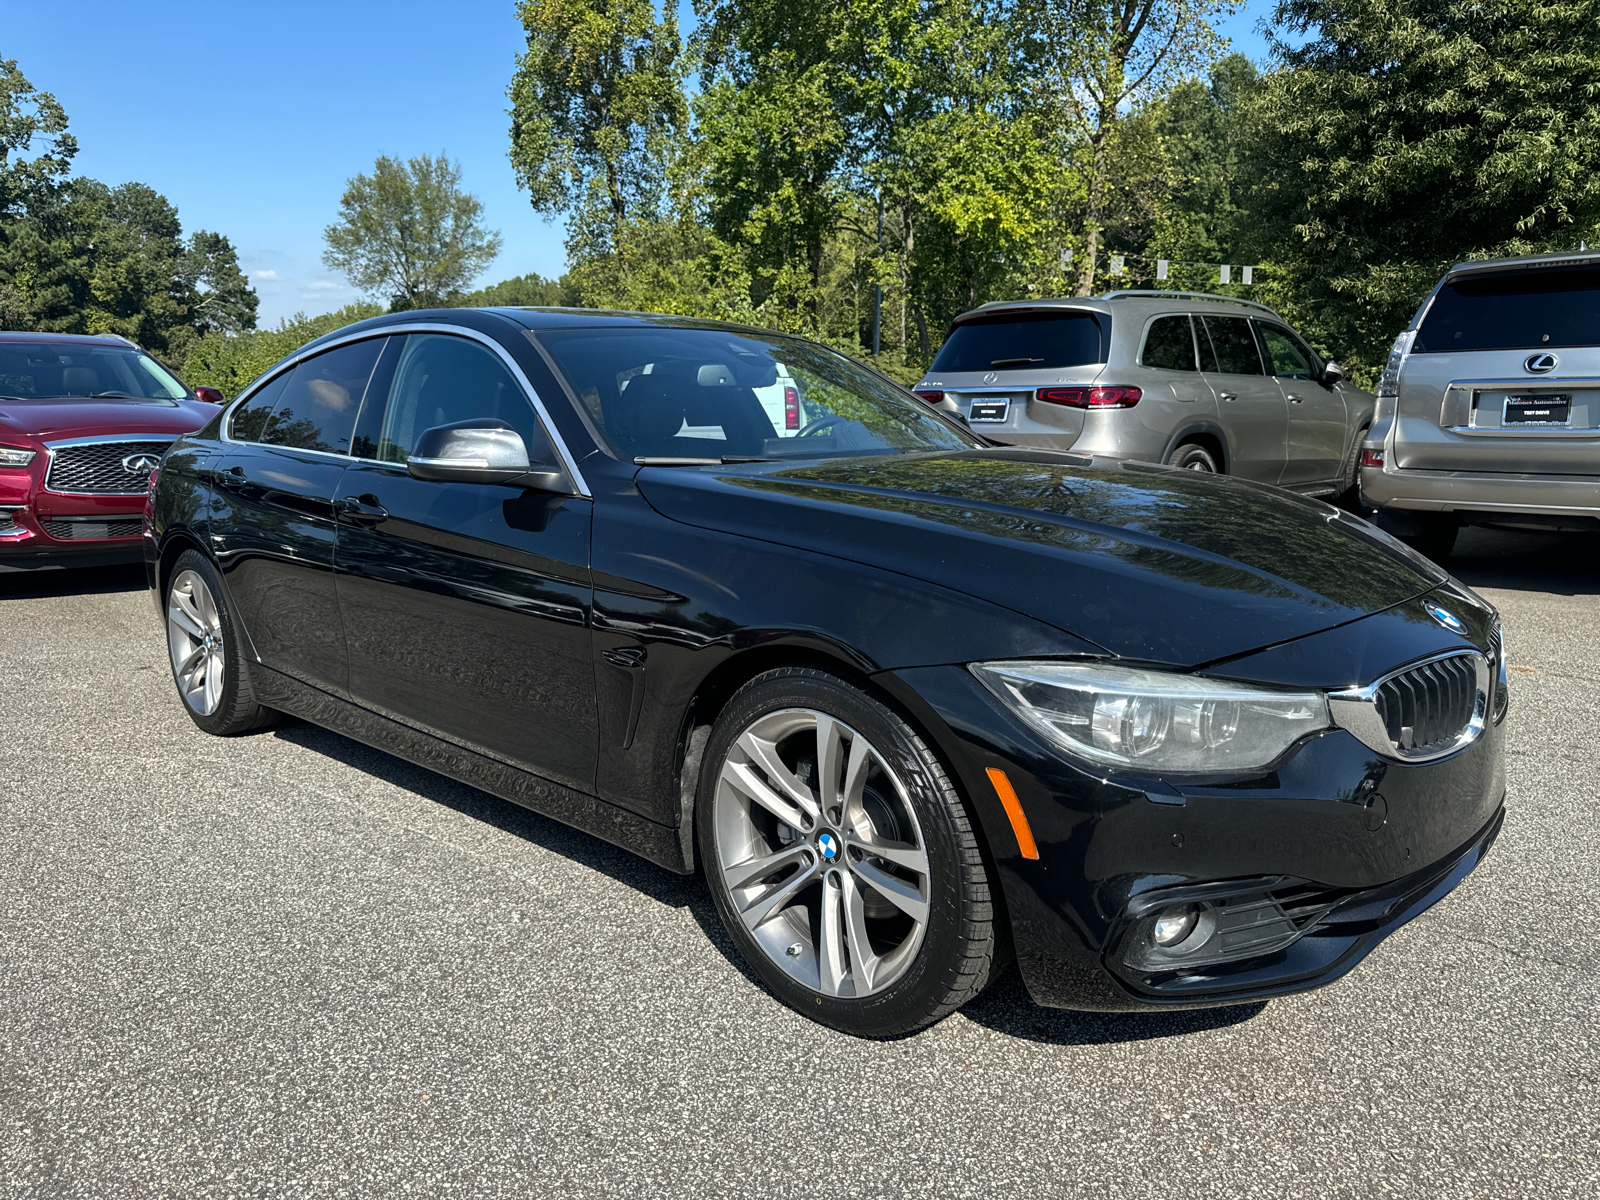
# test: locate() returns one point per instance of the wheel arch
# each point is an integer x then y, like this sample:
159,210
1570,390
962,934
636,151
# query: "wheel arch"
1203,433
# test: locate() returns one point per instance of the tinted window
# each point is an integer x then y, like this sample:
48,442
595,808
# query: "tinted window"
441,380
317,410
1531,310
1288,355
250,421
70,370
692,393
1023,341
1169,345
1233,345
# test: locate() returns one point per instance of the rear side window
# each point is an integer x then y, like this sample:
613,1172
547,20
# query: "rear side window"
317,410
1233,345
250,421
1287,354
1025,341
1530,310
1169,345
442,379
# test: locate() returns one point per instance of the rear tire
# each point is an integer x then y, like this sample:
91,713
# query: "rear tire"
1350,497
209,667
1192,456
873,944
1437,537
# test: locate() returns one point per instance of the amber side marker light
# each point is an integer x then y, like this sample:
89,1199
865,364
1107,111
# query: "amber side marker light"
1013,807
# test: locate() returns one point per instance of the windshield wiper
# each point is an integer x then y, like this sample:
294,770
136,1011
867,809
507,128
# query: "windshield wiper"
725,460
114,395
1013,362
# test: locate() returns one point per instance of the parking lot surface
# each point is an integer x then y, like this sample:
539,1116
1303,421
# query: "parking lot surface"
288,965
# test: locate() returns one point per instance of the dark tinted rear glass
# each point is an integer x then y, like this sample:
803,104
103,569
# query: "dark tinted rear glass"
250,421
1234,345
1025,341
318,408
1169,345
1531,310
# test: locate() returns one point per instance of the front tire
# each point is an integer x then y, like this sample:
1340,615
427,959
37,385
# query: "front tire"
208,667
840,857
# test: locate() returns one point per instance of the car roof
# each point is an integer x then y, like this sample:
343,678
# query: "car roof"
1134,302
69,339
1526,262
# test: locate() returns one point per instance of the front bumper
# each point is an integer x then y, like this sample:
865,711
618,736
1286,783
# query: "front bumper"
65,532
1472,492
1353,844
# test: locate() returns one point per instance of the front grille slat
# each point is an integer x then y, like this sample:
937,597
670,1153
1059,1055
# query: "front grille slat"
64,530
96,467
1430,705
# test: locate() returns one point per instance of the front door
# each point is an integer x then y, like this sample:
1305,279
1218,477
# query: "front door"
1250,407
467,606
1316,446
272,527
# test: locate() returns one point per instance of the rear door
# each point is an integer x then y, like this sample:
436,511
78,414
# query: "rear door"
1316,438
1250,405
272,528
1503,375
467,605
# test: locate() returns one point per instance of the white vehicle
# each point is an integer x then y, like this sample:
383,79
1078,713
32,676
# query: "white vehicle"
783,404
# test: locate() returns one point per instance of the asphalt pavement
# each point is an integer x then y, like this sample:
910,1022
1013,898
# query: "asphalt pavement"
288,965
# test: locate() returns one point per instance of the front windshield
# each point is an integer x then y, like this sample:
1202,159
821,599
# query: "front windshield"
76,370
701,393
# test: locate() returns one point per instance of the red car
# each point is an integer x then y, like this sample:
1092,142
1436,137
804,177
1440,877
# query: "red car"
83,422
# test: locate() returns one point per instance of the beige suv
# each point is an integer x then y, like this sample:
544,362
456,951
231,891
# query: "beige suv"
1489,408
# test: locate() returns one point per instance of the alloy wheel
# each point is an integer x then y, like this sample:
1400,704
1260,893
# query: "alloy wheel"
821,852
194,640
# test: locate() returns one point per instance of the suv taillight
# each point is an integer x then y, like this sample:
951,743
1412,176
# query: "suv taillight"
791,408
931,397
1090,397
1389,381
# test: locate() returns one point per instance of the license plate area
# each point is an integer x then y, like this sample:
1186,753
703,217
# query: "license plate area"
989,410
1548,409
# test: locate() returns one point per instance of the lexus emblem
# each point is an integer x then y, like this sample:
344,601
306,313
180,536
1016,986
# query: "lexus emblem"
990,377
1540,364
140,464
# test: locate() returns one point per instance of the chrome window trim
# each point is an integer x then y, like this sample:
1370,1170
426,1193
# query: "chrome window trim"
1353,710
530,393
99,440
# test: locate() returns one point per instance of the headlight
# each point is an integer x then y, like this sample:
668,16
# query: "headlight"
15,456
1155,721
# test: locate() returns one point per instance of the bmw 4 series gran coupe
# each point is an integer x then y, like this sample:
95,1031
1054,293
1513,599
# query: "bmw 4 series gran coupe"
914,703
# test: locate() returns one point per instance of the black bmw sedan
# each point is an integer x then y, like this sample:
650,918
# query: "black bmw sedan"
915,704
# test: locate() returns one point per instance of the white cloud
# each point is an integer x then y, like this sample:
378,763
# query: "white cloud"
265,274
321,287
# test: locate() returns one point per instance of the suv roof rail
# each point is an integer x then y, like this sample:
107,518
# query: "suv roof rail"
1146,292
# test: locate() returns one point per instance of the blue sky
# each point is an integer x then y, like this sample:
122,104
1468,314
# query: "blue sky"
250,117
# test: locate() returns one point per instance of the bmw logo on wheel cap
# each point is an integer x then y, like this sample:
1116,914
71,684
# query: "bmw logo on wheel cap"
828,846
1446,618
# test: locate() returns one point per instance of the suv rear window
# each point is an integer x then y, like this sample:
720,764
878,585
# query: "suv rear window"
1025,341
1530,310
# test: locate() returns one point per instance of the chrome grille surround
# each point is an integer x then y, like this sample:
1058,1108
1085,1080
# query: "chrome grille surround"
92,466
9,529
1423,711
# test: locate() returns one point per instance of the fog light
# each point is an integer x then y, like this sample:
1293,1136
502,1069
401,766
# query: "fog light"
1176,923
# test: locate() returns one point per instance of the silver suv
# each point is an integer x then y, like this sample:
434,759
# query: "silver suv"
1204,382
1489,407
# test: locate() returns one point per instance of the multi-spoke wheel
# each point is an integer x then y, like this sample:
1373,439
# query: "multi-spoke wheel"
211,676
840,856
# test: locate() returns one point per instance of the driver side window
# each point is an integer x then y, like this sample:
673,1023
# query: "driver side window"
442,379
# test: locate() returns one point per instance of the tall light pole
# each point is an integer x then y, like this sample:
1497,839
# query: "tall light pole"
877,288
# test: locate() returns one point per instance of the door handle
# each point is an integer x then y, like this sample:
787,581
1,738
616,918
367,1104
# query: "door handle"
1293,399
361,510
231,478
1228,395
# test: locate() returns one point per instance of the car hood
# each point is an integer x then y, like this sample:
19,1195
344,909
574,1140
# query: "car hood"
52,419
1148,562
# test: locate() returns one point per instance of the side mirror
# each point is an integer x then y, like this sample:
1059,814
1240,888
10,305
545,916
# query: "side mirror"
210,395
480,451
1332,373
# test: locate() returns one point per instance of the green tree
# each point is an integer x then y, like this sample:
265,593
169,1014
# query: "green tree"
1403,135
230,361
36,153
409,233
531,290
596,104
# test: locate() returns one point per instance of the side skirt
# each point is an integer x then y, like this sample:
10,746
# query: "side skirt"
658,843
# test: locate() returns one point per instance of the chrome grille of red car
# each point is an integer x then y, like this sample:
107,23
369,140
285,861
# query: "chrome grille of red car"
99,467
7,524
79,529
1430,705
